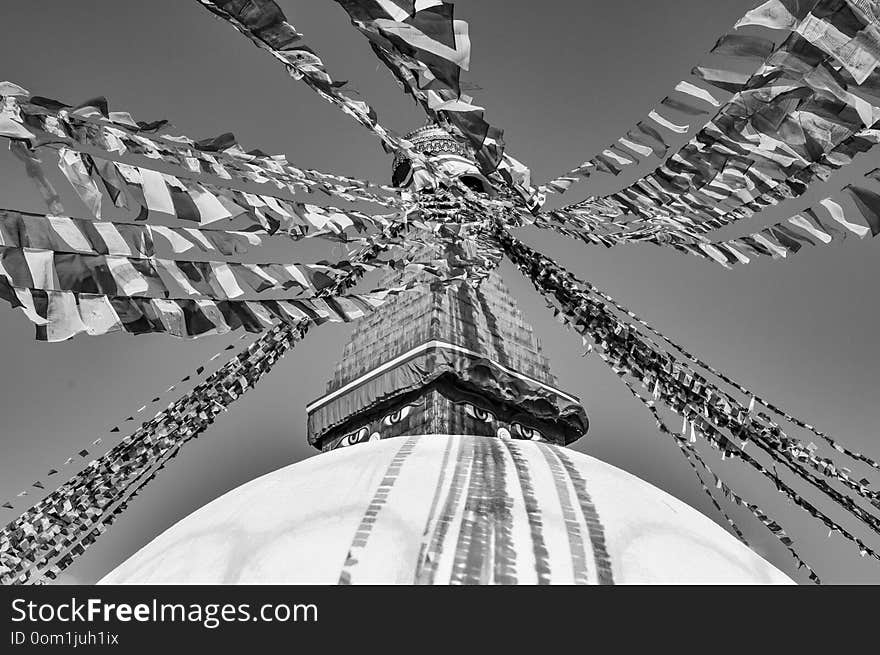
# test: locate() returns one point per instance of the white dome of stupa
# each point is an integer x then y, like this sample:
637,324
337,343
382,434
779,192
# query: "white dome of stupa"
446,509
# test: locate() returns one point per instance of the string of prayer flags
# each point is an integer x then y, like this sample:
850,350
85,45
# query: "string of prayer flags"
84,453
75,235
156,277
593,221
811,227
730,45
755,399
745,190
48,537
693,458
426,48
795,185
798,118
679,438
61,315
205,203
55,126
67,294
690,453
263,22
845,30
39,231
725,422
644,138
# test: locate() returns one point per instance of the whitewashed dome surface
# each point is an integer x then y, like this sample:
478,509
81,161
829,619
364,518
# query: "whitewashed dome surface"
446,509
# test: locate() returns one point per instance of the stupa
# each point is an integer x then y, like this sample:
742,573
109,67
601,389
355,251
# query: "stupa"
444,460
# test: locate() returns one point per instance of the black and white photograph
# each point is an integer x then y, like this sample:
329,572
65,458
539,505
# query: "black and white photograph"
395,293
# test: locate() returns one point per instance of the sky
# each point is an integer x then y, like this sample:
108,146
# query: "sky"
564,79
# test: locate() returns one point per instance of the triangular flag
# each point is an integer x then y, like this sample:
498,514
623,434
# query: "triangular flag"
868,204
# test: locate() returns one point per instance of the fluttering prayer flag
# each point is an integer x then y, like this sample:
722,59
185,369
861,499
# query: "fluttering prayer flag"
836,212
791,244
683,107
617,158
602,164
645,151
12,128
12,89
714,253
647,136
801,222
792,234
868,204
726,80
177,242
826,225
697,92
777,14
77,168
680,129
739,45
431,36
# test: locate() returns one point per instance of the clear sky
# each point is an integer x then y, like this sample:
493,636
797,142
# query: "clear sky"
564,79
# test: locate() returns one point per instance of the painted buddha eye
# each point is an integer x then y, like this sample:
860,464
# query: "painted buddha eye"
520,431
397,417
478,413
352,438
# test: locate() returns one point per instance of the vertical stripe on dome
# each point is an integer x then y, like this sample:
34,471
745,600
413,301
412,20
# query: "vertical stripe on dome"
505,553
473,550
450,516
443,485
484,552
533,512
380,497
576,538
591,516
519,530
